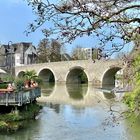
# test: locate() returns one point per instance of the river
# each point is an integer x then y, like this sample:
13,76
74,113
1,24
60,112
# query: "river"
76,112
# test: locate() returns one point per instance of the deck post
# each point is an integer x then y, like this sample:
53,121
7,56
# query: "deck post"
16,110
7,99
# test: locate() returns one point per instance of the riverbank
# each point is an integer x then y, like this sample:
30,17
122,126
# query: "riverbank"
15,119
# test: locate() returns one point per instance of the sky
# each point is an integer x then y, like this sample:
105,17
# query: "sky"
16,15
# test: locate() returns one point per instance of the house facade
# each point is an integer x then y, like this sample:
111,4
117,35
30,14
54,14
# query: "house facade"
17,54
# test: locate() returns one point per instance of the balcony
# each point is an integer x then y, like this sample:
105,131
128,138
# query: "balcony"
19,98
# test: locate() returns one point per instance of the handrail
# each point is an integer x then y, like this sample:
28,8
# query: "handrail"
6,90
13,97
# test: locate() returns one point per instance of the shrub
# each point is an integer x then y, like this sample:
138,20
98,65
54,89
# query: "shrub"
3,85
19,83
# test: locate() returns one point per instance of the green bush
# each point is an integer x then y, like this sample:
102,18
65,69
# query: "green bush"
133,99
19,83
9,117
3,125
3,85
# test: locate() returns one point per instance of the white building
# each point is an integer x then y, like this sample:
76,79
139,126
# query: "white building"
87,53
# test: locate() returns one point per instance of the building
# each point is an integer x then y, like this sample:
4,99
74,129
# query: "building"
87,53
17,54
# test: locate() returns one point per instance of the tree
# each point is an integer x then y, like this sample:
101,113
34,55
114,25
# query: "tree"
43,51
114,22
55,48
49,51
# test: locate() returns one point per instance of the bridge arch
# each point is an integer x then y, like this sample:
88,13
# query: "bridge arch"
21,74
47,75
108,79
77,75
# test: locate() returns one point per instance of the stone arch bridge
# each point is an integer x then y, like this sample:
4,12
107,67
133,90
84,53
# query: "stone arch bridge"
100,73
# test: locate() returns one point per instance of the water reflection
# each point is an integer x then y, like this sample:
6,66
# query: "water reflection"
47,88
77,91
66,117
73,94
109,95
56,107
74,91
107,91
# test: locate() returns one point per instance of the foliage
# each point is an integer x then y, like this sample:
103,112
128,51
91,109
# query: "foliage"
22,115
29,113
112,22
7,78
43,51
13,121
9,117
55,51
19,83
30,75
39,81
3,85
83,77
133,99
49,51
3,125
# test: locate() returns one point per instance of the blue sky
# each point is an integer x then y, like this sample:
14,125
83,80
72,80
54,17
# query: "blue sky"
15,17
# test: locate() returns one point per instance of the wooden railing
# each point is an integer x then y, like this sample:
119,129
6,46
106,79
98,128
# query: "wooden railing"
9,97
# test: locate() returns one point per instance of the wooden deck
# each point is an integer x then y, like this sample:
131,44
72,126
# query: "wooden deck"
13,98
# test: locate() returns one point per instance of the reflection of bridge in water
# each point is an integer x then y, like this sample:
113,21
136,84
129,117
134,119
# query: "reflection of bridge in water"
81,95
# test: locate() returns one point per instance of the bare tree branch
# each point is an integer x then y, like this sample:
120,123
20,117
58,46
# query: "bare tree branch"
113,22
